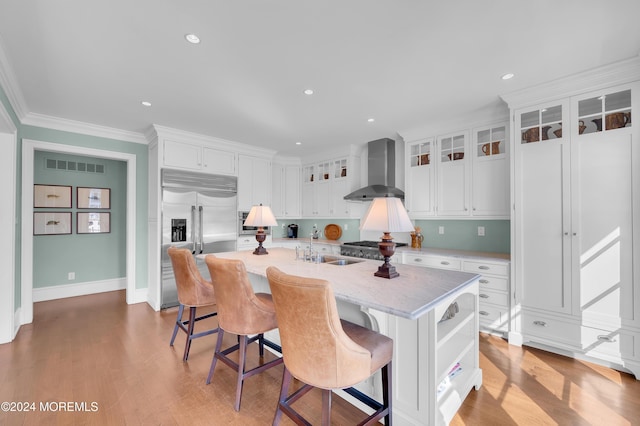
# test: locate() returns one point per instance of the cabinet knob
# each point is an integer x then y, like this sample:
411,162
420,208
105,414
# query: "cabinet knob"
484,296
483,267
484,281
484,313
444,262
417,259
540,323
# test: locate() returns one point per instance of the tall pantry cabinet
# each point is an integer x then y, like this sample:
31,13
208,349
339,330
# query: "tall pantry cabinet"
576,217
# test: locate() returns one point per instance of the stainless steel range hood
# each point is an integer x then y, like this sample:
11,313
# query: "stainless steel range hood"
381,173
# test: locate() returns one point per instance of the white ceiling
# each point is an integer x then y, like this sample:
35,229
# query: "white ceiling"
406,63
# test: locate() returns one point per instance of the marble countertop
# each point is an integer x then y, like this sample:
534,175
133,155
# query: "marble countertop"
416,291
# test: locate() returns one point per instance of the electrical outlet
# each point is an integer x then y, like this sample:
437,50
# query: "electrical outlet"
441,230
346,226
72,276
481,231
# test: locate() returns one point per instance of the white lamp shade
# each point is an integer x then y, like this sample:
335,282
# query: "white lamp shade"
386,214
260,216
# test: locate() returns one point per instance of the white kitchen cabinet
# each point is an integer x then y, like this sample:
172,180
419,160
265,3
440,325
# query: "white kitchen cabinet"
495,291
286,191
420,179
490,172
575,226
453,171
193,156
324,185
438,374
254,182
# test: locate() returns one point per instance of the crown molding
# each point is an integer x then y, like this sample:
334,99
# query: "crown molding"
65,125
10,85
614,74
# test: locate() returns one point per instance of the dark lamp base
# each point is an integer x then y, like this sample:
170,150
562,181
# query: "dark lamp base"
386,271
260,237
387,248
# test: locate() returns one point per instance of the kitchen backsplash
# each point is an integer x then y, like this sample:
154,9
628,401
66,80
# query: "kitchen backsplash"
458,234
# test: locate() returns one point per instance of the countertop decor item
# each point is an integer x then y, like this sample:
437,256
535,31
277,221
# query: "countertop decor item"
260,216
388,215
332,231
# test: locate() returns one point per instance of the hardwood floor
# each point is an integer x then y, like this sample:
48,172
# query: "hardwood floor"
115,359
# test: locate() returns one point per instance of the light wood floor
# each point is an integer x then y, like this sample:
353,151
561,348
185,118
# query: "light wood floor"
97,349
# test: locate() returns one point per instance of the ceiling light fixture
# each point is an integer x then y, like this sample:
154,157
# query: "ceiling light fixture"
308,92
146,103
371,120
508,76
298,143
192,38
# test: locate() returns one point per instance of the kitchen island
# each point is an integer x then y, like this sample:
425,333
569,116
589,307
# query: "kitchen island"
435,361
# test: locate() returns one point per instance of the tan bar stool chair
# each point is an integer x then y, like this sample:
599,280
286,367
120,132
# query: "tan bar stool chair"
241,312
193,292
323,351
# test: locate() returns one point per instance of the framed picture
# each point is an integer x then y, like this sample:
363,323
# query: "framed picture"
52,196
93,223
51,223
93,198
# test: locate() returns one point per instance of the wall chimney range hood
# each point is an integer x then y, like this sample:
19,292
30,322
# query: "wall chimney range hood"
381,173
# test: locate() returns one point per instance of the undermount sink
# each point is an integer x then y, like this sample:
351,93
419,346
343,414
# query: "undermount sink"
335,260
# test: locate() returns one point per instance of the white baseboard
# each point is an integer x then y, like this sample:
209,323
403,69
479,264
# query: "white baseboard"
78,289
138,296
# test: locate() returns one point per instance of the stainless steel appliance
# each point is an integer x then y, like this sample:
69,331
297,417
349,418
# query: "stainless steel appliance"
198,213
363,249
249,230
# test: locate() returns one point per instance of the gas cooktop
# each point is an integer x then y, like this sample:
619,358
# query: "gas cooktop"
373,244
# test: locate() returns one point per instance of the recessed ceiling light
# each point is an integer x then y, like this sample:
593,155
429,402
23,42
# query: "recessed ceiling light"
192,38
146,103
298,143
308,92
508,76
371,120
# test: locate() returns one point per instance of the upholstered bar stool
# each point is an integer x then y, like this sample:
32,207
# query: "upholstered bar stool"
323,351
241,312
193,292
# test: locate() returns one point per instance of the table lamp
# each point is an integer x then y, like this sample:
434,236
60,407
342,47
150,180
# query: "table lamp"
260,216
386,214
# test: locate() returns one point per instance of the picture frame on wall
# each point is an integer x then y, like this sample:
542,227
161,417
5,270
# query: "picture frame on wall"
51,223
93,223
93,198
51,196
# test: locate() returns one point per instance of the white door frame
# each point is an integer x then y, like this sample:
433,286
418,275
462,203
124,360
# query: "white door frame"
9,143
28,149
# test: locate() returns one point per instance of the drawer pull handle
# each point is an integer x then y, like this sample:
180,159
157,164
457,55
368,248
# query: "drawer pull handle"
486,268
444,262
484,313
484,281
604,338
540,323
484,296
417,259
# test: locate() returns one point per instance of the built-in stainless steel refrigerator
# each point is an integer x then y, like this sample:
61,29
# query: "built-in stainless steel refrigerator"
199,212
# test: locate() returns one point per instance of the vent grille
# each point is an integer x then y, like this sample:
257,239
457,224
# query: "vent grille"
73,166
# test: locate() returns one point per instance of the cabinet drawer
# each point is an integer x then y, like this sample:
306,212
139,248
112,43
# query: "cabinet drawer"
486,268
493,297
615,344
494,283
493,318
433,262
565,334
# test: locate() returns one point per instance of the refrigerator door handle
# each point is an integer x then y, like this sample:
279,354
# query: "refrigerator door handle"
201,211
193,229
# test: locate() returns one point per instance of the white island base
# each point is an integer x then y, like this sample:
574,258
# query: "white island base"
435,363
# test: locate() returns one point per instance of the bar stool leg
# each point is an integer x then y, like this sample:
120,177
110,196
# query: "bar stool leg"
242,357
215,359
178,321
326,407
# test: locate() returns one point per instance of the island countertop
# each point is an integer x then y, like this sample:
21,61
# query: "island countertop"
416,291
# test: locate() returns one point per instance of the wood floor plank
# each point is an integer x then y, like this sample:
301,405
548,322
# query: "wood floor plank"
98,350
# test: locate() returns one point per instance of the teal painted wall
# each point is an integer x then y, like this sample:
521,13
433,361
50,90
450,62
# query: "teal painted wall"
463,235
92,257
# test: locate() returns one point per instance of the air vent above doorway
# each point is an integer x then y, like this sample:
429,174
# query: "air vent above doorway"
73,166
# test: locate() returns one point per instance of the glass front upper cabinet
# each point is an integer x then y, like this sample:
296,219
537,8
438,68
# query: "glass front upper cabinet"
541,125
340,168
452,149
491,141
606,112
421,154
